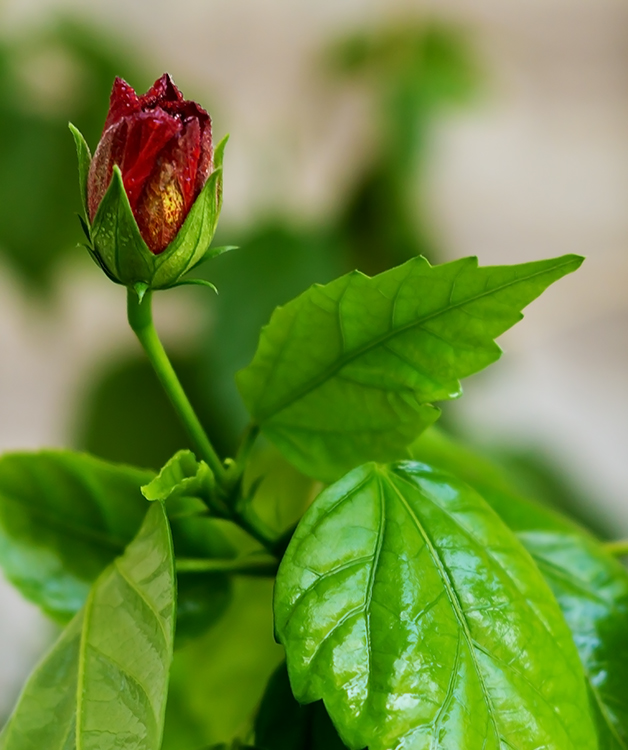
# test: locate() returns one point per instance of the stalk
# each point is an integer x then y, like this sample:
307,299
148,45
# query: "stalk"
140,318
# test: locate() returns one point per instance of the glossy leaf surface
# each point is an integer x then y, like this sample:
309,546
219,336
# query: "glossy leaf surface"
425,621
590,585
104,684
347,372
284,724
63,518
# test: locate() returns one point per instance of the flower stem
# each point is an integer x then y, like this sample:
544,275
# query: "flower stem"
618,548
139,312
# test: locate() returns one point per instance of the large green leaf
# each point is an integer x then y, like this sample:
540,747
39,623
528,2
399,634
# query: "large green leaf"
104,684
63,518
347,372
425,622
284,724
590,585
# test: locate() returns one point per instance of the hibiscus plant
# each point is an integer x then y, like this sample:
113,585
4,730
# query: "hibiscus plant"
420,600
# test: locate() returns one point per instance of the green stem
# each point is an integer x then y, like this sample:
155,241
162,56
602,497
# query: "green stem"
252,565
617,549
141,321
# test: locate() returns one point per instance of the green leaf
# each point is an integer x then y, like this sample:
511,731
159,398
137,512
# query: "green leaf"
283,724
347,372
105,682
84,160
590,585
194,238
425,622
117,237
182,476
63,518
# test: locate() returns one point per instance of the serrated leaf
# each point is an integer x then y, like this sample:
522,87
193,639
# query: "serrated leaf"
194,238
347,372
105,682
284,724
117,237
591,586
426,622
84,160
64,516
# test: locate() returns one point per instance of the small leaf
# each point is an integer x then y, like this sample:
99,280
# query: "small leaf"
425,622
283,724
84,160
63,518
117,237
591,587
105,682
347,372
182,476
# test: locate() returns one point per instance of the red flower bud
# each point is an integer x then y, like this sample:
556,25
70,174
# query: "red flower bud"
163,147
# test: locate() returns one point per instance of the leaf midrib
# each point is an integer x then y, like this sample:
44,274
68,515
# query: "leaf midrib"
454,601
349,357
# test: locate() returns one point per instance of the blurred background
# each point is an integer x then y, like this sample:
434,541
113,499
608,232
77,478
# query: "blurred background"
362,133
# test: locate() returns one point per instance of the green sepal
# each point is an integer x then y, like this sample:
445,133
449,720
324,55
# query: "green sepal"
182,476
194,238
195,282
85,228
116,237
84,161
140,289
213,252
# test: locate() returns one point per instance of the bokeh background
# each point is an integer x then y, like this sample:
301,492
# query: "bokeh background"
362,132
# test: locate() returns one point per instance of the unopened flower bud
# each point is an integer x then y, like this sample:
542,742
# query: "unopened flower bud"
152,191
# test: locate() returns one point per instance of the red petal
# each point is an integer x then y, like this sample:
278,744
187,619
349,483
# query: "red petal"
109,152
162,91
122,102
185,158
206,159
149,132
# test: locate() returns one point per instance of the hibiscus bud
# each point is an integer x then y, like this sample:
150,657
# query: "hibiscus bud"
152,192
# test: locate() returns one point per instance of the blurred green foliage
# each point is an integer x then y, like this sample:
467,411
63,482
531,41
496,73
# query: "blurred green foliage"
47,79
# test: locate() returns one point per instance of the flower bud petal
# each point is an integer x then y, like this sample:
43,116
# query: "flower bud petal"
153,189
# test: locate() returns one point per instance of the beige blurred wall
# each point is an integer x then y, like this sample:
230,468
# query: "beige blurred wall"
537,168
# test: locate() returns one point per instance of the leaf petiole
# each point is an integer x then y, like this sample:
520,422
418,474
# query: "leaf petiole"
262,565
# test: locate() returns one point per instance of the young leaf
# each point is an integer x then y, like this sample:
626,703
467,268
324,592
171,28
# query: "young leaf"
104,684
182,476
347,372
283,724
63,518
591,586
425,622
